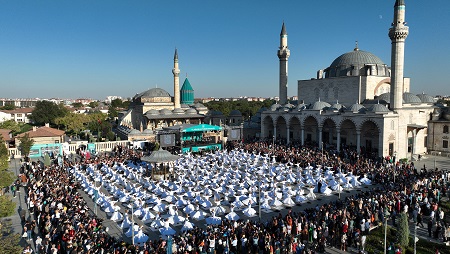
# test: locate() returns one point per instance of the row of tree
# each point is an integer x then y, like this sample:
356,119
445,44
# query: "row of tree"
247,108
9,241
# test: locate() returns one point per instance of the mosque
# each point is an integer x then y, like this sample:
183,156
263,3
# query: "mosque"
156,108
356,101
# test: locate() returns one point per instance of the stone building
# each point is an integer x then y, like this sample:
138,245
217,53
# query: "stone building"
356,101
155,108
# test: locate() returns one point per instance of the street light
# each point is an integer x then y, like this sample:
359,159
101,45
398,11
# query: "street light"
395,164
132,220
322,154
415,238
435,156
386,216
259,193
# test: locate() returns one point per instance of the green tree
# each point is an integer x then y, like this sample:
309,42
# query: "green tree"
93,104
3,155
7,206
8,107
112,112
403,231
72,122
77,105
6,178
47,112
25,144
117,103
16,127
8,240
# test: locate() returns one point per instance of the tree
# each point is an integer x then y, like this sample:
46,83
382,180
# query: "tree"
46,112
72,122
77,105
25,144
93,104
3,155
112,112
7,206
8,240
117,103
403,230
16,127
8,107
6,178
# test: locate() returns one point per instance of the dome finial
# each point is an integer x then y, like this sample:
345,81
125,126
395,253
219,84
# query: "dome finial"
356,46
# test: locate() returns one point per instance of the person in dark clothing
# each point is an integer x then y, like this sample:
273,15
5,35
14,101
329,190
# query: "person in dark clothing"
419,219
430,226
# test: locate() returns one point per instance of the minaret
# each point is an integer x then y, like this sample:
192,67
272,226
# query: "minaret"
283,54
398,33
176,80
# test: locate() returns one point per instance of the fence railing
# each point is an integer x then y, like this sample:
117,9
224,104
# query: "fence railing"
99,147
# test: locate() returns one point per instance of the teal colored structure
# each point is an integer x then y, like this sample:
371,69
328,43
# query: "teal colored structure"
40,150
187,93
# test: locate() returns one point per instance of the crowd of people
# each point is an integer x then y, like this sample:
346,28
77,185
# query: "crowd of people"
60,221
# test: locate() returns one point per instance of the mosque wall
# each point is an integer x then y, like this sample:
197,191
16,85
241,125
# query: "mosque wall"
343,89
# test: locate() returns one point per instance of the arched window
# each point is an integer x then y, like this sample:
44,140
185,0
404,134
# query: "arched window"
445,130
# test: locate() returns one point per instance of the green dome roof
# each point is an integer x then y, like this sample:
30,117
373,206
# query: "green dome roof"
187,93
186,86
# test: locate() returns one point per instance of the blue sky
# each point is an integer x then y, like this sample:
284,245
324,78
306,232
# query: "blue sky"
72,49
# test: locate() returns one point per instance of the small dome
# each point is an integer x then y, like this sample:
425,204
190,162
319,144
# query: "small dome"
215,113
320,105
357,108
275,106
262,110
337,106
425,98
236,113
198,105
178,111
134,132
386,97
147,131
301,107
289,105
411,98
165,111
191,111
153,112
379,108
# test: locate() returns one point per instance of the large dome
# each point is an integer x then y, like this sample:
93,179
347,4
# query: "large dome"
357,63
154,92
356,57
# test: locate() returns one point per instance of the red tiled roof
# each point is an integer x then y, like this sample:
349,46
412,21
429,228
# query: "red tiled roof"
43,132
19,111
5,134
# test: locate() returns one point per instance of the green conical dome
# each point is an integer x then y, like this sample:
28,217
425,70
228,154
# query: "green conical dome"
187,93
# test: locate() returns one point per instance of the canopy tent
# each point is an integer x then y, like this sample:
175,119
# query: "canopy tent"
160,156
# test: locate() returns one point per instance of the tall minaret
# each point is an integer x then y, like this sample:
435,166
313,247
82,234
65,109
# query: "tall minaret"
176,80
283,54
398,33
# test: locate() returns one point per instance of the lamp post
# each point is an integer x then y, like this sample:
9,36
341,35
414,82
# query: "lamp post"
259,195
395,165
415,236
95,196
322,153
132,221
435,156
386,216
339,187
